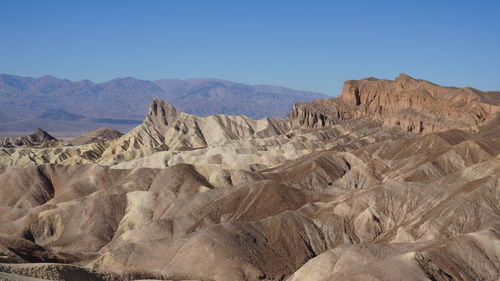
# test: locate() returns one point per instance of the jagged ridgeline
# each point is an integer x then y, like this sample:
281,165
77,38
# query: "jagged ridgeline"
393,180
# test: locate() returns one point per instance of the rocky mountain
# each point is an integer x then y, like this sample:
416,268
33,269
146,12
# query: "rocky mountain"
378,184
415,105
65,106
39,138
96,136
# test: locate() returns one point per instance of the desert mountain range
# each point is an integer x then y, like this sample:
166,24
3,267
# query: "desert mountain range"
67,108
393,180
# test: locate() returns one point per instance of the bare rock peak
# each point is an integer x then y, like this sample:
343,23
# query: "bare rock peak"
162,108
96,136
39,138
42,135
405,76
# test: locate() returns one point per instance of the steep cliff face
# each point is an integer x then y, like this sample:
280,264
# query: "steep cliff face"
415,105
320,113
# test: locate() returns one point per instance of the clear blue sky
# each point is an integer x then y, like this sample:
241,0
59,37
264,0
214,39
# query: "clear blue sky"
309,45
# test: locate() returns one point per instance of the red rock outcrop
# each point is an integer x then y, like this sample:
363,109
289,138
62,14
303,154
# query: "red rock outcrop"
415,105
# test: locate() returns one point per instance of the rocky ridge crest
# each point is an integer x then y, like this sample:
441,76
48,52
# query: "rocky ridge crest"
414,105
40,138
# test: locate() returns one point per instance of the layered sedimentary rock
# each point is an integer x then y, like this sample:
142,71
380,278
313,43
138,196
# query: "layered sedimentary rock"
182,138
99,135
338,191
415,105
165,125
40,138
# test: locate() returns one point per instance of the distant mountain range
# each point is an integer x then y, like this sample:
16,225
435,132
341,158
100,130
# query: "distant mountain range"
66,107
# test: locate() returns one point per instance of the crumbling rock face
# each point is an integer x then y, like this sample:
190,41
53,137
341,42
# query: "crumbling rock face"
317,114
415,105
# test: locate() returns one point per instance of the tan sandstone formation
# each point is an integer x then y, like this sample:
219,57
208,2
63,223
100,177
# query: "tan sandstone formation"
99,135
40,138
